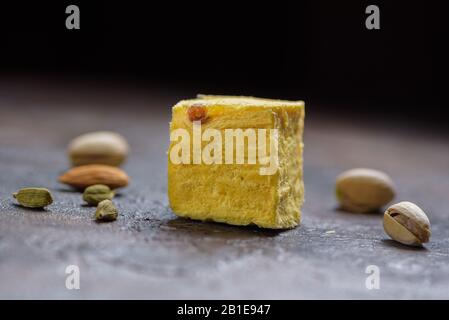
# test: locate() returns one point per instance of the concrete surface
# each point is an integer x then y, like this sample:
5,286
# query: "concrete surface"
150,253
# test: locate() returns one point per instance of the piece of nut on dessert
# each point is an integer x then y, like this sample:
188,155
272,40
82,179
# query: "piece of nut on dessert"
220,170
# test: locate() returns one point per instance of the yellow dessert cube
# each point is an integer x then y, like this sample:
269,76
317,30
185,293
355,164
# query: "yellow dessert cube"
237,160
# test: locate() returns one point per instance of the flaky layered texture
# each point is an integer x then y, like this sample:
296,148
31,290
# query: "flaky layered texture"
237,193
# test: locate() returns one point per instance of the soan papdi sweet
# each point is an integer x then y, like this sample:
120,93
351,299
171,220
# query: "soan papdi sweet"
237,160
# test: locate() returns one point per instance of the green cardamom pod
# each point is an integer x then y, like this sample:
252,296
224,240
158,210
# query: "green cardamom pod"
96,193
106,211
33,197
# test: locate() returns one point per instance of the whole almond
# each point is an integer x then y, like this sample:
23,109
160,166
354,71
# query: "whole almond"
84,176
100,147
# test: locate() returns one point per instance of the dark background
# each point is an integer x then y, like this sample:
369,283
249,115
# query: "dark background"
318,51
366,95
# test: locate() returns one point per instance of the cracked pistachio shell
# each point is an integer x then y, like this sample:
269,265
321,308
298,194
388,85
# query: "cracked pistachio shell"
406,223
364,190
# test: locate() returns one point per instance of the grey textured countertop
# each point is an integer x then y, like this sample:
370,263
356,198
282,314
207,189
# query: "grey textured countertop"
150,253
